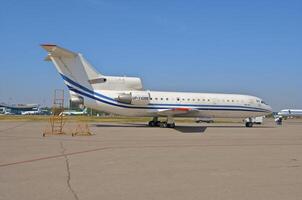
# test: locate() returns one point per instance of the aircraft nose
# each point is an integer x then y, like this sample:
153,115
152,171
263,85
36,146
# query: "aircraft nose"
269,109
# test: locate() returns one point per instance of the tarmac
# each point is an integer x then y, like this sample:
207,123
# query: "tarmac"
132,161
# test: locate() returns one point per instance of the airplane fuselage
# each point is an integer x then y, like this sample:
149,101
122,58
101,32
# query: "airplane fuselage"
208,104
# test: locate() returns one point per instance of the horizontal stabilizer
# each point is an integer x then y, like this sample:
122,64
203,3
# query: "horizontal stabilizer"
57,51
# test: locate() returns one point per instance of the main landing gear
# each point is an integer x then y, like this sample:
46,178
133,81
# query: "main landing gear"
167,124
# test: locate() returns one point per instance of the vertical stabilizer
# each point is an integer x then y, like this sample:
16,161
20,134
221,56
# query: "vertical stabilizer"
77,72
73,67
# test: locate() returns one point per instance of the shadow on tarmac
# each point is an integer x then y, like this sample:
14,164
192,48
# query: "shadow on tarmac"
191,129
240,126
128,125
182,129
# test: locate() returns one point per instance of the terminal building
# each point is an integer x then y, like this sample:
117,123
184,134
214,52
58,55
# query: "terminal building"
17,109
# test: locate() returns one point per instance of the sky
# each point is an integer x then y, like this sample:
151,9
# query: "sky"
236,46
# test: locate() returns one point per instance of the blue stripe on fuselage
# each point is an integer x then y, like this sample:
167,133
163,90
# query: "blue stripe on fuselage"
116,103
84,88
150,107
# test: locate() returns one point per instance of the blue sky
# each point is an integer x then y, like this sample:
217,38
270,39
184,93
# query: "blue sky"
243,46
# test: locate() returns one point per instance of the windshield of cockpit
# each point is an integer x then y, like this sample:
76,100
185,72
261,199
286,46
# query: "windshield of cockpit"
263,102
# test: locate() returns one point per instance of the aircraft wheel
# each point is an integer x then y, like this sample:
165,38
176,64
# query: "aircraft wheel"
163,124
151,124
172,125
249,124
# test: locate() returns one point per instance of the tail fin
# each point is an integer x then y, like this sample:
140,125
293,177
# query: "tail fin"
76,70
72,66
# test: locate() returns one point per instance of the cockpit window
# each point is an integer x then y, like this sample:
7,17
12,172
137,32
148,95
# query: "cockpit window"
263,102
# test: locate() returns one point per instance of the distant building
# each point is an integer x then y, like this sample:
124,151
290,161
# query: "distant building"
17,109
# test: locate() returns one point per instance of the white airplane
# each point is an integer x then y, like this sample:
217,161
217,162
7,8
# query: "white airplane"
32,112
5,111
125,95
8,113
74,112
290,113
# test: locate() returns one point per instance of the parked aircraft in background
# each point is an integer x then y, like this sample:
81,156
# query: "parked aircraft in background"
18,109
126,96
31,112
286,113
74,112
2,111
8,113
5,111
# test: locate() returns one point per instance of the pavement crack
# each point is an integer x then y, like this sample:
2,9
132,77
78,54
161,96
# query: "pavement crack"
68,172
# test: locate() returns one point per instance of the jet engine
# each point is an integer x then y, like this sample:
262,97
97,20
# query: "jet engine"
76,101
135,98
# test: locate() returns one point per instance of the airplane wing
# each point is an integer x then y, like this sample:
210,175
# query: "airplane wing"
177,111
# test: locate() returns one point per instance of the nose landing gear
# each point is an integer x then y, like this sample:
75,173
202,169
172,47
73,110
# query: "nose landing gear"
249,124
